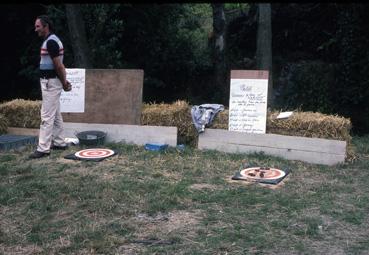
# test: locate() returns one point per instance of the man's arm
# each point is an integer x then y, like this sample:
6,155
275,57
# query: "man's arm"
53,50
62,75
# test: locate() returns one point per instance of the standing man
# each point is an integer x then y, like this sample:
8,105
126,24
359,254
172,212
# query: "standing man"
52,80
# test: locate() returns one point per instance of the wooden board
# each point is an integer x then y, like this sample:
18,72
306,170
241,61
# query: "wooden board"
135,134
112,96
249,74
311,150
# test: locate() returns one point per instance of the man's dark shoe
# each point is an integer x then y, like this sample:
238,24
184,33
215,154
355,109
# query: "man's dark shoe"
56,147
38,154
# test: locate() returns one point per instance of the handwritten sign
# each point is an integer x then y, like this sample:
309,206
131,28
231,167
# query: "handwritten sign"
248,105
74,100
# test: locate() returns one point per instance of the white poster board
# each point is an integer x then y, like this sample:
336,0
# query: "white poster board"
248,104
74,100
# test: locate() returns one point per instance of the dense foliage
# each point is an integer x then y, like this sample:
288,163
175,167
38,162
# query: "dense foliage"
320,57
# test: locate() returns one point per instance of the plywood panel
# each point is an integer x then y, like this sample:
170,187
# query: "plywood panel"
312,150
112,96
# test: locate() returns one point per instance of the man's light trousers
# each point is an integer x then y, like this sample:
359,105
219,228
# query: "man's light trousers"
51,127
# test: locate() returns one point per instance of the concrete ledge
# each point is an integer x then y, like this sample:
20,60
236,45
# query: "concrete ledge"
311,150
23,131
133,134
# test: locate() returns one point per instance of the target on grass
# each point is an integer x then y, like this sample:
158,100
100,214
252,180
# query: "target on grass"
264,173
94,153
261,174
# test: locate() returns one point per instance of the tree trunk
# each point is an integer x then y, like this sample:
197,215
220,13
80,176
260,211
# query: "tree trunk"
81,49
219,25
264,45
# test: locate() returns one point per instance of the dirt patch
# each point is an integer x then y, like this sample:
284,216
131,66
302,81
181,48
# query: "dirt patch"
20,250
7,225
83,171
67,161
164,224
335,235
61,242
202,186
247,183
162,227
130,249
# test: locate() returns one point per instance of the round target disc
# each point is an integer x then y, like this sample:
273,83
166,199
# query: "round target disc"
262,173
94,153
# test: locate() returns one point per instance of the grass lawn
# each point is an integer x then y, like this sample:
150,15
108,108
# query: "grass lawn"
180,202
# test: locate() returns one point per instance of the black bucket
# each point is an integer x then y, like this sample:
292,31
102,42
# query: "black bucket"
91,138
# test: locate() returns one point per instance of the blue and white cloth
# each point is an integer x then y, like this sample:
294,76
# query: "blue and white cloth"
203,115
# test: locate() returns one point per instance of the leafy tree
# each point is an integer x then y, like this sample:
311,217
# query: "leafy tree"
103,28
169,42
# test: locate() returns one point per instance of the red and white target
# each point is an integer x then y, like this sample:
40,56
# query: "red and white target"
94,153
262,173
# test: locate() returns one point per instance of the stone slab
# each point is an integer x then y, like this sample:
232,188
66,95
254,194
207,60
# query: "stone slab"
23,131
133,134
8,142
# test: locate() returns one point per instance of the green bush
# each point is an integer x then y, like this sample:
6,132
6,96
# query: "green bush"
306,85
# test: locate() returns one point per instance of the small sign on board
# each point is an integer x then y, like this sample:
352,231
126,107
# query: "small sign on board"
284,115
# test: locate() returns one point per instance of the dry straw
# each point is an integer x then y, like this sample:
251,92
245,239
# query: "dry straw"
313,124
305,124
22,113
3,124
177,114
25,113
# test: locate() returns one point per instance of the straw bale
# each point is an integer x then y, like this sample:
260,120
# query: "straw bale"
310,124
177,114
313,124
3,124
221,120
22,113
26,113
305,124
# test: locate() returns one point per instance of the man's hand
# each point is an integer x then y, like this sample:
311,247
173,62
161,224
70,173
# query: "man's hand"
67,86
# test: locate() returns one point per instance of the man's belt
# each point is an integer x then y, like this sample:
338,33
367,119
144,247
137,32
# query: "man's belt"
48,74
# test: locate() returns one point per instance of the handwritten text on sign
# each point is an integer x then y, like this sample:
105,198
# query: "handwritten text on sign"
248,105
74,100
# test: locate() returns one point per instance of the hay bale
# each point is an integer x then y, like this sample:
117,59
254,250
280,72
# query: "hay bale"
221,120
305,124
310,124
22,113
313,124
177,114
26,113
3,124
